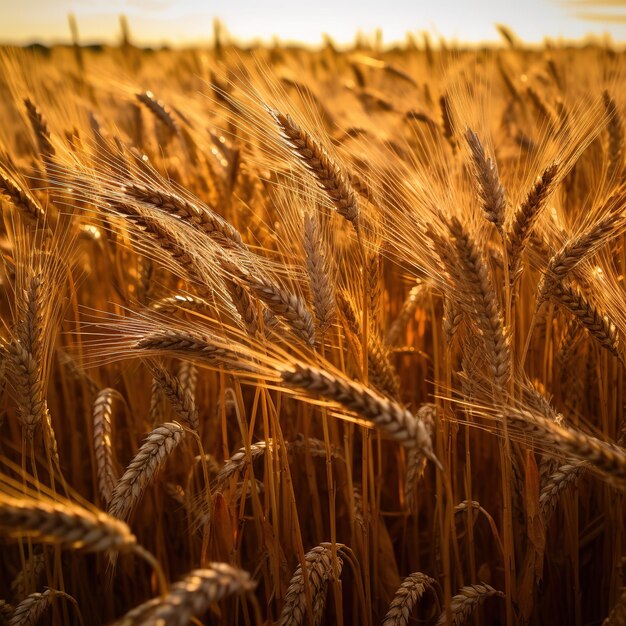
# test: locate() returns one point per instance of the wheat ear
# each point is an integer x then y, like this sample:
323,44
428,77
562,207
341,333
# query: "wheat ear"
321,285
406,597
409,306
205,219
239,460
525,217
583,245
416,460
556,483
28,577
6,610
464,603
102,442
617,616
386,414
325,170
490,190
40,128
319,568
190,597
180,399
142,469
30,610
159,109
283,303
20,197
598,325
245,306
64,525
616,137
187,345
609,459
381,372
171,304
485,306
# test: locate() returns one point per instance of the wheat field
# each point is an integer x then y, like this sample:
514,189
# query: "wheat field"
312,336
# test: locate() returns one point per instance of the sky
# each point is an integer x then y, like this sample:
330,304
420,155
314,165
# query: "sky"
180,22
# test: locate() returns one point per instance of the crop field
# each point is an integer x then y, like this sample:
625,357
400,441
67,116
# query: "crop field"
313,336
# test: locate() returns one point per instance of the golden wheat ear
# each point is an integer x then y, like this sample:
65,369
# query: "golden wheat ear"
149,459
32,608
66,525
311,581
406,598
191,596
318,162
464,603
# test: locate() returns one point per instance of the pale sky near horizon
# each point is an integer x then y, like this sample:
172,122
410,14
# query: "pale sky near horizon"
177,22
